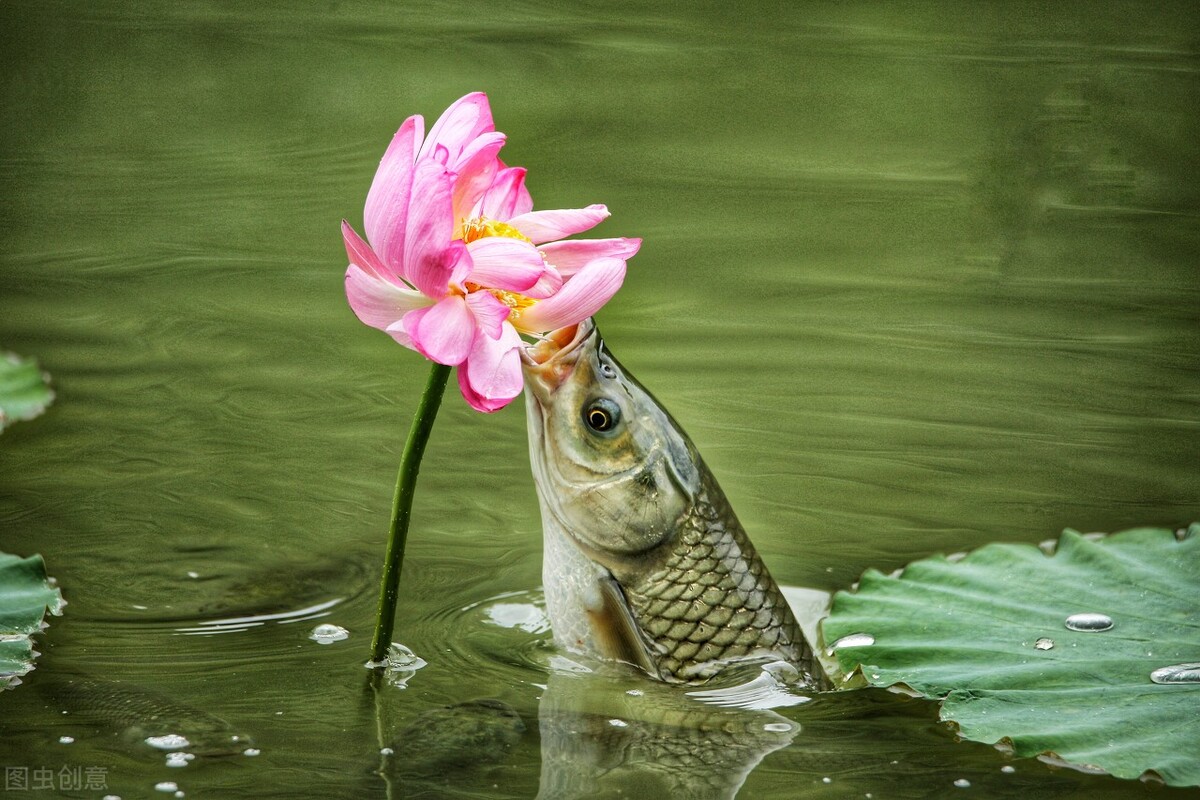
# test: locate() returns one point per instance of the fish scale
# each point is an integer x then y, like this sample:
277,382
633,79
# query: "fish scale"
709,598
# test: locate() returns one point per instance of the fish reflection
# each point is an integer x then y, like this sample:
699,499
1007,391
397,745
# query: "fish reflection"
603,736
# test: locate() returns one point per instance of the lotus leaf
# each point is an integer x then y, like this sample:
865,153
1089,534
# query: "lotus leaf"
988,636
25,596
24,390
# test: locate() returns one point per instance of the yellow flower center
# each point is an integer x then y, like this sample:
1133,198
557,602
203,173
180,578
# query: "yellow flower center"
478,228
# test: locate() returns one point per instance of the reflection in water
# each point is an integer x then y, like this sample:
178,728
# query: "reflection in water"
599,738
144,719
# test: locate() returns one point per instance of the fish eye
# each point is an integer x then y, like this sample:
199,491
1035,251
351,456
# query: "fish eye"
602,415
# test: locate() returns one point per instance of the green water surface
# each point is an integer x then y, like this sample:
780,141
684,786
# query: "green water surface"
916,277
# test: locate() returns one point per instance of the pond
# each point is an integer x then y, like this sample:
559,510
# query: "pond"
916,277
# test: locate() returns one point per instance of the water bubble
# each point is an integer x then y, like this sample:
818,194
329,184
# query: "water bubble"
192,574
777,727
386,751
1088,622
826,780
179,759
618,723
166,786
111,797
399,665
1008,769
66,739
1179,673
635,693
251,751
852,640
963,783
522,616
168,741
328,634
1044,644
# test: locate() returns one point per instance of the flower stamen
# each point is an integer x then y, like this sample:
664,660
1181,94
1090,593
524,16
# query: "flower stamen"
474,229
471,230
516,303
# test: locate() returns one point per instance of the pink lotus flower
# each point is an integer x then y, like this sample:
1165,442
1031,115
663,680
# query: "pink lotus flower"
459,264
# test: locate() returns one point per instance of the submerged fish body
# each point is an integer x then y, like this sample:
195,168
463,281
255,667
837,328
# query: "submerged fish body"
146,718
645,561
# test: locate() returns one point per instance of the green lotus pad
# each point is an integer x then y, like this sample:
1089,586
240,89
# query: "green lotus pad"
25,596
987,635
24,389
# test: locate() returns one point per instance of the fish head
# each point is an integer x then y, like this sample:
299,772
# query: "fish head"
611,466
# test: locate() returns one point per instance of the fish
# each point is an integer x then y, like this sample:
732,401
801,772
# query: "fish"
453,739
145,718
644,560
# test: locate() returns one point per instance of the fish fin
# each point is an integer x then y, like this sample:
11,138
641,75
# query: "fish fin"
617,632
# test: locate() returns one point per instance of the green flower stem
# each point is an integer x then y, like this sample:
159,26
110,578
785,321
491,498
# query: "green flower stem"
406,484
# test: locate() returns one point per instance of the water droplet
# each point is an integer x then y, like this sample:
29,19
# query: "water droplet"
1088,622
166,786
777,727
635,693
179,759
168,741
826,780
251,751
386,751
193,574
963,783
111,797
1008,769
1044,644
66,739
328,634
618,723
852,640
399,666
1179,673
179,793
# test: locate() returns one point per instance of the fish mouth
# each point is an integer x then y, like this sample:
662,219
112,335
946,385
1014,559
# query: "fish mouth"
549,363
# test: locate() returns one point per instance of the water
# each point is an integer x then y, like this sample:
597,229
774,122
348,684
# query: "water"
328,634
852,640
1089,622
916,278
1179,673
